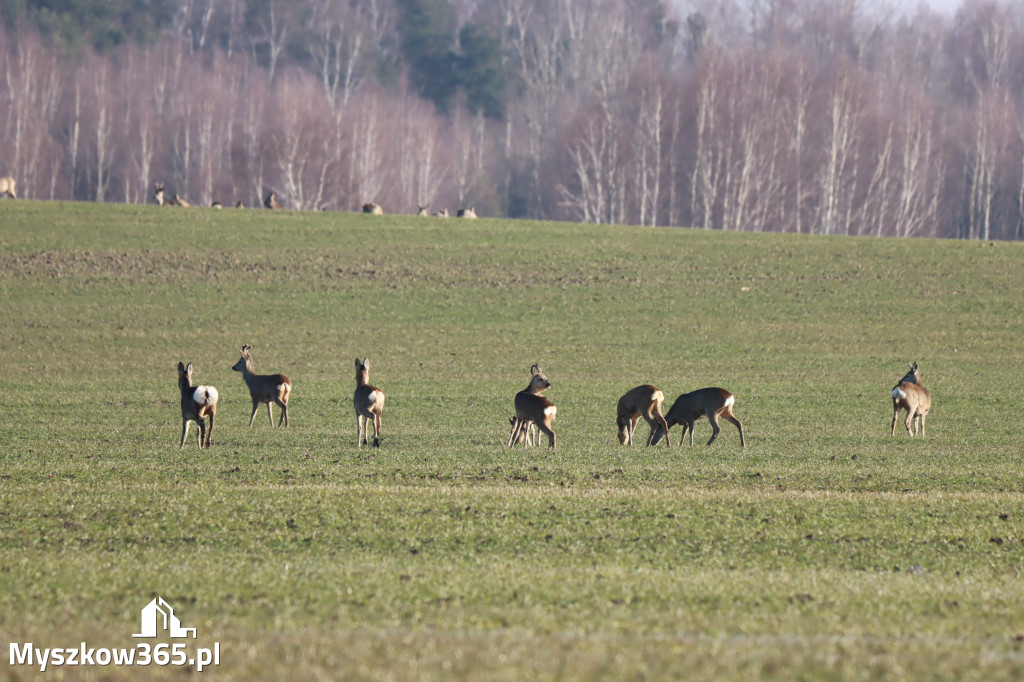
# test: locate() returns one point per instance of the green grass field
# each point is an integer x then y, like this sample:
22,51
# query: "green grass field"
825,550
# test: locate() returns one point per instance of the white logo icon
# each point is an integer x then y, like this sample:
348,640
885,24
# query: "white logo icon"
151,620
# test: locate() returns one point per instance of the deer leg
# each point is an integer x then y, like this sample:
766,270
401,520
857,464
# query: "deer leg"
513,437
713,418
284,412
252,417
270,414
908,421
546,428
209,431
202,433
895,414
739,426
376,429
531,435
184,432
690,423
923,415
359,430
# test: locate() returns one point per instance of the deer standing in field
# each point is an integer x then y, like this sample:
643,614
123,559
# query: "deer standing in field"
196,404
264,388
369,403
271,202
7,187
373,209
911,396
469,213
691,407
158,193
533,407
643,401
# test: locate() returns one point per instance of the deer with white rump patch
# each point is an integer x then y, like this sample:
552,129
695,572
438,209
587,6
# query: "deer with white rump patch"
197,402
911,396
643,401
7,187
264,388
533,407
691,407
369,403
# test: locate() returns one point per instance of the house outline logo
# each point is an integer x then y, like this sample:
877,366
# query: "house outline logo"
151,614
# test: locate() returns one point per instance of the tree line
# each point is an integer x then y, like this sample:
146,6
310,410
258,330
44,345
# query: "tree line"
767,115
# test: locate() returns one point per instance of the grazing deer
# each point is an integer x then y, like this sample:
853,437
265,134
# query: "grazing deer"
533,407
443,213
422,210
271,202
529,434
690,407
178,201
467,213
643,401
264,388
369,403
7,187
158,194
196,403
911,396
373,209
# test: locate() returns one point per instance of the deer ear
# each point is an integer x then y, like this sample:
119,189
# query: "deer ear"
535,369
188,370
181,367
358,364
366,363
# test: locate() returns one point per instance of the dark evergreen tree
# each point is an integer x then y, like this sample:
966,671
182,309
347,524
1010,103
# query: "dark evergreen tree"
481,70
427,36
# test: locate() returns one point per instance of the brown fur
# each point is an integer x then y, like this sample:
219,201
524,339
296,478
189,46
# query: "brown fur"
911,396
191,411
531,406
369,404
691,407
263,388
643,401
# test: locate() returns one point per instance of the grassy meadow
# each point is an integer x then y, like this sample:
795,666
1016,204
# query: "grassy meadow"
825,550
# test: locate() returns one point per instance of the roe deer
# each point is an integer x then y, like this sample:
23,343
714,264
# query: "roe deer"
369,403
373,209
7,187
422,210
643,401
239,204
531,406
196,403
216,204
529,434
178,201
911,396
467,213
158,194
690,407
264,388
443,213
271,202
